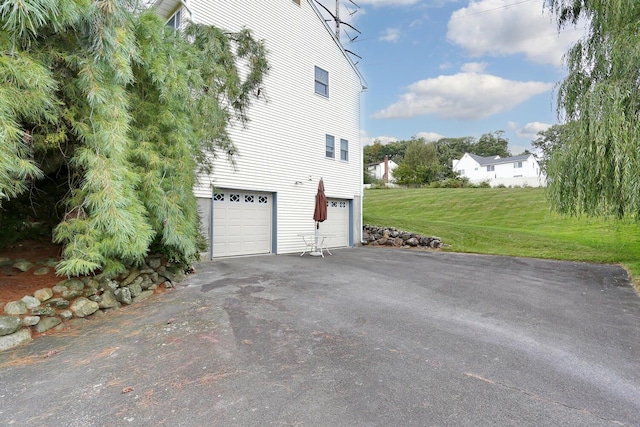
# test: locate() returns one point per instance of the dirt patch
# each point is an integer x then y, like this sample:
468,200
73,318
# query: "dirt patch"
15,284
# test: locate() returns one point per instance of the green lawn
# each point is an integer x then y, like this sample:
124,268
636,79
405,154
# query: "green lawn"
504,221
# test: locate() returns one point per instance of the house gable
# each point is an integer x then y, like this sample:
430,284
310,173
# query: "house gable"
285,148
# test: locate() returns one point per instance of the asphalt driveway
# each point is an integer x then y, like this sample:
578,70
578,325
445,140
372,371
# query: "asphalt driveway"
367,337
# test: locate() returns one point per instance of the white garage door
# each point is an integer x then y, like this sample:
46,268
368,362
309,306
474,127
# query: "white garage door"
337,223
241,223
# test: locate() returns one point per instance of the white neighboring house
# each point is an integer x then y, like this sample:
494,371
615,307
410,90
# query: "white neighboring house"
308,129
521,170
383,171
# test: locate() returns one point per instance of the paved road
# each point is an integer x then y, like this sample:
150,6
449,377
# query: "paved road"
368,337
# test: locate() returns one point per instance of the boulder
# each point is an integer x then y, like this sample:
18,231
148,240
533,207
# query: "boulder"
43,310
154,262
135,289
412,241
71,294
46,324
58,289
41,271
57,303
43,294
123,295
30,301
66,315
9,324
108,300
30,320
15,308
83,307
22,265
20,337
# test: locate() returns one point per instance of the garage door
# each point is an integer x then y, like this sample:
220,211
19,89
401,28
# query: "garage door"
241,223
337,223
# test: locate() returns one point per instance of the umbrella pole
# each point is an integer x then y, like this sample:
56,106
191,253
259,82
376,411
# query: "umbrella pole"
315,250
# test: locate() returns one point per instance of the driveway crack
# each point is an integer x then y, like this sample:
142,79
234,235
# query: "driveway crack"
540,398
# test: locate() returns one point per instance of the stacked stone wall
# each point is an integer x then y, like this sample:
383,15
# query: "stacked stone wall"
81,297
389,236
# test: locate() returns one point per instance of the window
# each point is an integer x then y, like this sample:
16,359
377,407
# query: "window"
248,198
322,82
491,168
234,198
263,200
176,20
218,197
517,165
461,171
330,147
344,150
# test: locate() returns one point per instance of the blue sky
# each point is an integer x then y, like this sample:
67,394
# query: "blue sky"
453,68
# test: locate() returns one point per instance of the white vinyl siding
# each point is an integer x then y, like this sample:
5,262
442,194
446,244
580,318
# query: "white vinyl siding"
291,164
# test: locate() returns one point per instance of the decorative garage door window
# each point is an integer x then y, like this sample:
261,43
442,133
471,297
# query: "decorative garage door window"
239,198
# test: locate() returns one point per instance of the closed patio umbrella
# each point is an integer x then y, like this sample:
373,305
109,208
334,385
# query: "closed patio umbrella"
320,212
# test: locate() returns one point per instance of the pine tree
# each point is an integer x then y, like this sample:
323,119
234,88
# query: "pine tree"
135,107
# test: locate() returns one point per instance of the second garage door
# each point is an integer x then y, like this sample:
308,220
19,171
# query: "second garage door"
337,223
241,223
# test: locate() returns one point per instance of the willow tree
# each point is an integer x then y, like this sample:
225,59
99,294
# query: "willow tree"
131,109
597,171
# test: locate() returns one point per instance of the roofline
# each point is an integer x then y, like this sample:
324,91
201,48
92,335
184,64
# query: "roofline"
363,82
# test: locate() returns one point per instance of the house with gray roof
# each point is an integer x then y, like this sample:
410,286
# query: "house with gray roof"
523,170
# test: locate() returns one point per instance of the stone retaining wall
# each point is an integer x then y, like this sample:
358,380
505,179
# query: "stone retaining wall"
80,297
389,236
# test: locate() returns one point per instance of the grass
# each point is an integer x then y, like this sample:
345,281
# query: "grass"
505,221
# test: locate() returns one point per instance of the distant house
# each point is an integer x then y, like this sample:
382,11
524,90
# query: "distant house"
521,170
383,171
309,129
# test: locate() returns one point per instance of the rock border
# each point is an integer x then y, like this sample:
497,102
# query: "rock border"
390,236
82,297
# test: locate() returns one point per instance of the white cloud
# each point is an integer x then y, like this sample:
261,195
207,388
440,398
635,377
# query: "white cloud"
429,136
530,130
462,96
445,65
390,35
365,139
488,27
474,67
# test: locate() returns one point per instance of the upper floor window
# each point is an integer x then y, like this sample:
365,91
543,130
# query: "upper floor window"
175,21
330,146
344,150
322,82
491,168
517,165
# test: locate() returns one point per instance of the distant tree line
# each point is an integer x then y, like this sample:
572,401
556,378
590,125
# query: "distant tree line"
421,162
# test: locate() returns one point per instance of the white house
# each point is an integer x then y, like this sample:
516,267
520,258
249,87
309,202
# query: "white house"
309,129
383,171
517,170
